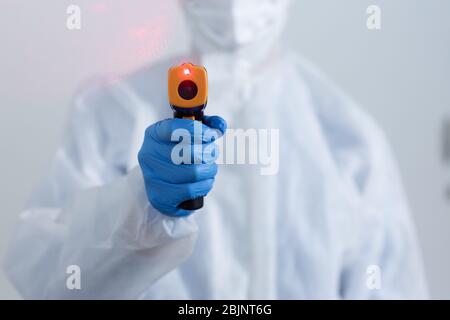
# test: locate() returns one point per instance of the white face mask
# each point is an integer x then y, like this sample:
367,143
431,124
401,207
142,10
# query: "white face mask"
230,25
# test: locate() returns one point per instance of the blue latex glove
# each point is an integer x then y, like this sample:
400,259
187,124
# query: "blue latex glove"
168,184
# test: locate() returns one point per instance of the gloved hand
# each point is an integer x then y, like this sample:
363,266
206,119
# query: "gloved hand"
167,182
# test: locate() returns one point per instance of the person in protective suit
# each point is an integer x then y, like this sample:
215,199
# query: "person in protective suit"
332,211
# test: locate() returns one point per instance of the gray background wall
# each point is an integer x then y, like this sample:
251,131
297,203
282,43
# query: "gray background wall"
400,74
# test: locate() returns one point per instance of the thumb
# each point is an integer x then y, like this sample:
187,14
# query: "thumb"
215,122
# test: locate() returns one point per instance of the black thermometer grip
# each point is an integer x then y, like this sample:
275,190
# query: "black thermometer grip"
193,204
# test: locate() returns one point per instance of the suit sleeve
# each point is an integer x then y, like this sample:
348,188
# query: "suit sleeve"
94,215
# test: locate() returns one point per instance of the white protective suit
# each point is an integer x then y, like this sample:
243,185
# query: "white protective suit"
315,229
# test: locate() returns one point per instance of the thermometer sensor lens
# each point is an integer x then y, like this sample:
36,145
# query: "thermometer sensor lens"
187,89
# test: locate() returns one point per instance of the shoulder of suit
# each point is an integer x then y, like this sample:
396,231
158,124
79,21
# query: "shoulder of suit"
352,134
144,88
